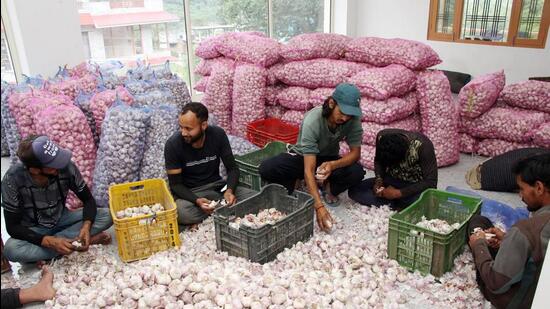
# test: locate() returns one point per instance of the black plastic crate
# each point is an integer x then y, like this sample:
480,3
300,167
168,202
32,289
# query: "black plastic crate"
262,245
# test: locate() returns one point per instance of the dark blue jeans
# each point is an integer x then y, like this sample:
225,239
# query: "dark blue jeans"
17,250
362,193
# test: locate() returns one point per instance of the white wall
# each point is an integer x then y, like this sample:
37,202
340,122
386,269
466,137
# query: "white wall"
345,17
47,34
409,20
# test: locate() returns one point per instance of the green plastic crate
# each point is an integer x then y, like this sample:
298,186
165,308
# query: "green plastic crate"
262,245
249,164
421,249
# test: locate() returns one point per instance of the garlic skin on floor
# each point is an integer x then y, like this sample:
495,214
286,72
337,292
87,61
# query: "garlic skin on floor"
348,268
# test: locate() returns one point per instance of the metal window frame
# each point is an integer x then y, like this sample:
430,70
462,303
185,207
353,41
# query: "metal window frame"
10,42
512,39
190,55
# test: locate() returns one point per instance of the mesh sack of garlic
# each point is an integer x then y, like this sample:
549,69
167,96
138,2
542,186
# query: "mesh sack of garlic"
256,221
164,122
121,149
145,210
438,225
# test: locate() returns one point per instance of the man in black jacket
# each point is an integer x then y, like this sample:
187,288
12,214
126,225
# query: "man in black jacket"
404,166
192,156
33,197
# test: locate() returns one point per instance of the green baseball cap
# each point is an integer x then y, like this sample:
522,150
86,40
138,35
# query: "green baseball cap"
348,97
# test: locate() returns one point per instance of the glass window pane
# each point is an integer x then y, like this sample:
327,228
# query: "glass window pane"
291,17
8,74
445,16
128,30
213,17
486,20
530,18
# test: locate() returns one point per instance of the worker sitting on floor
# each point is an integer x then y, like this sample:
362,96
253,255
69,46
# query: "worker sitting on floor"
495,174
316,158
33,197
192,157
509,264
404,166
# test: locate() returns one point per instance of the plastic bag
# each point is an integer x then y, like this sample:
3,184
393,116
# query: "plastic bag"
120,150
503,123
382,52
315,45
541,135
382,83
318,96
468,144
248,97
439,115
101,101
82,101
316,73
218,96
295,98
179,90
9,125
154,97
250,48
294,117
67,126
480,94
495,211
164,123
493,147
390,110
141,71
531,94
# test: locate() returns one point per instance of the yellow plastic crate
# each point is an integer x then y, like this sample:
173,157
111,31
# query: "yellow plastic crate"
136,239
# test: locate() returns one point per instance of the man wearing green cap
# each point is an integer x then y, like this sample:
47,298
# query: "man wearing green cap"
315,158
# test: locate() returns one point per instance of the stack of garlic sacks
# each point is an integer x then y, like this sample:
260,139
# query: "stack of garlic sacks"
246,77
496,118
115,126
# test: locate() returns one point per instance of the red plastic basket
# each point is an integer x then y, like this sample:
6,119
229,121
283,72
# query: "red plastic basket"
261,132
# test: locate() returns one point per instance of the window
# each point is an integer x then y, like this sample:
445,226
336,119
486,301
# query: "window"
291,17
160,30
522,23
279,19
8,73
129,30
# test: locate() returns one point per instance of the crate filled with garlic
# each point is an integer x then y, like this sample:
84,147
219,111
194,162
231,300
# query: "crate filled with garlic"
145,218
431,232
261,226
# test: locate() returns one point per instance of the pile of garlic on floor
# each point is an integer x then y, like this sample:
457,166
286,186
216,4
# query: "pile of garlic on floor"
345,269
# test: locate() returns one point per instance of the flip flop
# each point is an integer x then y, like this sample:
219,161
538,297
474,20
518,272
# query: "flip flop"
334,203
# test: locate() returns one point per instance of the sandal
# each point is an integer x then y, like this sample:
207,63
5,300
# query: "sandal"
334,203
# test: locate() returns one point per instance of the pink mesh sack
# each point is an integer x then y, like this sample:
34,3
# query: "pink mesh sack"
480,94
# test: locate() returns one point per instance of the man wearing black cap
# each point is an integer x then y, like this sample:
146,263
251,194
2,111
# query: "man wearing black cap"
33,197
315,157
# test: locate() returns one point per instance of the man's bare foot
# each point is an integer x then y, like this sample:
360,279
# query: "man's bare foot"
41,291
102,238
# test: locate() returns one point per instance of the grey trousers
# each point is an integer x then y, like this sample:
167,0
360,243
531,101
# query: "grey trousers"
17,250
190,213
